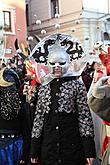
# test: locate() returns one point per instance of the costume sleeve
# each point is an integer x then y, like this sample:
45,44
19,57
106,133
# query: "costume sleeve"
37,128
85,121
101,107
36,134
26,133
27,117
99,101
35,147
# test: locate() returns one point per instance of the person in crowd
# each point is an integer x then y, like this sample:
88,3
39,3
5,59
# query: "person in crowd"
88,74
86,77
14,131
62,129
99,126
99,100
99,103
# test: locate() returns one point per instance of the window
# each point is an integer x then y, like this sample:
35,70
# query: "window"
106,36
7,21
108,19
54,7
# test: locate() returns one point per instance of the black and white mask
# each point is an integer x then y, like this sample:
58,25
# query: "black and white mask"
60,54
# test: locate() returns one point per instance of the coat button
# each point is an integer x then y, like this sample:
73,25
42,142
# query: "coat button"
58,144
56,111
57,127
2,136
56,94
59,160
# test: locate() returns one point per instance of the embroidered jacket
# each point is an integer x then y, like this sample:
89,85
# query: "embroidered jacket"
63,128
71,93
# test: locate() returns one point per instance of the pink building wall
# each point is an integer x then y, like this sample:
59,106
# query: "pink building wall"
19,24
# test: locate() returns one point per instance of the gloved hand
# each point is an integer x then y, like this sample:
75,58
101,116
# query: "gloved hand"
102,81
100,88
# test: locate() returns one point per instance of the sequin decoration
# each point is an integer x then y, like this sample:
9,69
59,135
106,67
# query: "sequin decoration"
10,104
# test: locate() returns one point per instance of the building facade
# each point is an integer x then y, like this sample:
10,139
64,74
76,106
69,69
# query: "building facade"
12,25
72,17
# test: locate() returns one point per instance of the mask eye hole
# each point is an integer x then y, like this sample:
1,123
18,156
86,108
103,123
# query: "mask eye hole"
52,63
62,63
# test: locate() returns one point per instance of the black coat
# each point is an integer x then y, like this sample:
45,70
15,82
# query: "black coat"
63,128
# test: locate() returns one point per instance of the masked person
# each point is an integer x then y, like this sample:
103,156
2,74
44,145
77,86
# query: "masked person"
63,129
14,132
99,102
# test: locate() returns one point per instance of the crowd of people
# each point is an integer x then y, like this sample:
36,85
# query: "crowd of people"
52,123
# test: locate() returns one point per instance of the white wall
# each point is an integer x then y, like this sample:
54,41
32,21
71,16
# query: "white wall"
99,5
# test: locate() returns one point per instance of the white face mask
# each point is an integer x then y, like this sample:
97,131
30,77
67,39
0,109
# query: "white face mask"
58,62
